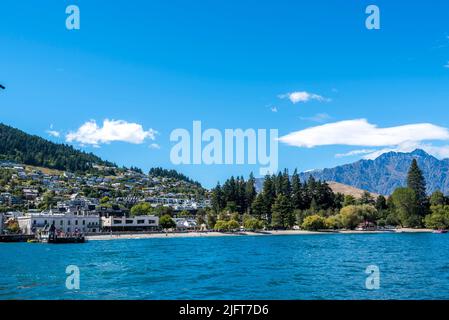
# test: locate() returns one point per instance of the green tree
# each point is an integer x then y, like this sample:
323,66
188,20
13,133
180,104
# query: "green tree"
351,216
349,200
297,192
104,200
184,214
211,220
438,199
269,194
48,200
406,207
286,187
366,198
283,216
381,203
162,211
141,209
250,192
217,199
416,182
12,226
232,225
221,225
439,218
334,222
252,223
314,223
166,222
259,206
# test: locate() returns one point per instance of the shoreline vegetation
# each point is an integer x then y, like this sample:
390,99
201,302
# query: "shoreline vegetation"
130,236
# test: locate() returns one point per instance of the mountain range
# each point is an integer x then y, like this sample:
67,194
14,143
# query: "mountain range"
387,172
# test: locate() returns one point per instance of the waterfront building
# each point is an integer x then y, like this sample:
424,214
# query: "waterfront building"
31,223
185,224
138,223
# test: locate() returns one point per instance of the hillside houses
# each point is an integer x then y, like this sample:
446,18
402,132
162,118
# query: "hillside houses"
26,187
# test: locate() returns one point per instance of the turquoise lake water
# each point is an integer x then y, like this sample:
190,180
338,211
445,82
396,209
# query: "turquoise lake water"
412,266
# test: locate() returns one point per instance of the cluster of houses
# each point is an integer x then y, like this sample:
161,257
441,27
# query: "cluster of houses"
73,210
31,183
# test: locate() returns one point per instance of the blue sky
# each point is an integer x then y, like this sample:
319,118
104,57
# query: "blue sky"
163,64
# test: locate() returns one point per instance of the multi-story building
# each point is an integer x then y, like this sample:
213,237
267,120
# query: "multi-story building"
138,223
31,223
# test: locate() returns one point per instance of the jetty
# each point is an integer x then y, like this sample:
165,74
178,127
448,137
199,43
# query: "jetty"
16,237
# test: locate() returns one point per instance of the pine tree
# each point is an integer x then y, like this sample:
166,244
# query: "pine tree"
269,194
286,187
250,192
416,182
259,207
297,192
381,203
217,200
283,216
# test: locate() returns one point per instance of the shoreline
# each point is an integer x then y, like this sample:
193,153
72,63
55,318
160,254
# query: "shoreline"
196,234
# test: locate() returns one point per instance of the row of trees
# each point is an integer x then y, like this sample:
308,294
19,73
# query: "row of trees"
285,201
280,196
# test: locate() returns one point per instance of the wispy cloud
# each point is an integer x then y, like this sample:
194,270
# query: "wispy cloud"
441,152
446,65
302,97
319,117
53,133
90,133
355,153
273,109
155,146
361,133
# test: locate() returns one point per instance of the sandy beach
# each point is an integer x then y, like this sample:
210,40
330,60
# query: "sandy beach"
236,234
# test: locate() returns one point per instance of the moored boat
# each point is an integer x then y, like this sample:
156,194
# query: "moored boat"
49,235
440,231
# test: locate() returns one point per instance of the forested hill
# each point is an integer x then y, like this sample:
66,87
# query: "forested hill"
18,146
160,172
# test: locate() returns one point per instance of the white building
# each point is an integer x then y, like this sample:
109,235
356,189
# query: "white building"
67,223
138,223
185,224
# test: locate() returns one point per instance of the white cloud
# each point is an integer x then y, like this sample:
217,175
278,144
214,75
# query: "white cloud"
112,130
361,133
319,117
441,152
355,153
274,109
446,65
53,133
303,96
155,146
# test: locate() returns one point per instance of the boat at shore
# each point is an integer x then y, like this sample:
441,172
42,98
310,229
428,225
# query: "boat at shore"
50,235
440,231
